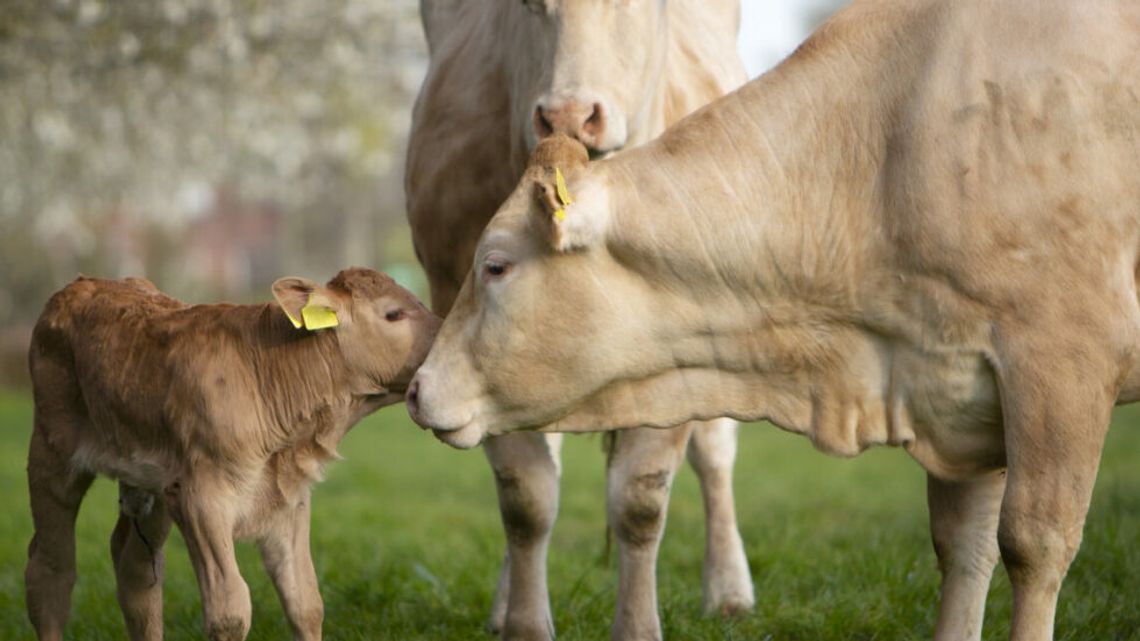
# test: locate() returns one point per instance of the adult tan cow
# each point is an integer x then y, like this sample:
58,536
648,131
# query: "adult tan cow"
922,230
503,74
218,417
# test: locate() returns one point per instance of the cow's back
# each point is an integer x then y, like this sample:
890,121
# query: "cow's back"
1016,153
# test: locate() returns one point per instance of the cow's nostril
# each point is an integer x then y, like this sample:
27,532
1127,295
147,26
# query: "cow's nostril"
596,122
412,396
542,125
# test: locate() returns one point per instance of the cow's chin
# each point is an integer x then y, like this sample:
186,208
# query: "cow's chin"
464,438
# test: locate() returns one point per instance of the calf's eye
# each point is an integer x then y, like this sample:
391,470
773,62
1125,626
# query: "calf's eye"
394,315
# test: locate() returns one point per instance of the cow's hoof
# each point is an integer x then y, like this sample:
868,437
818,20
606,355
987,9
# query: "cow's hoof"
730,602
537,632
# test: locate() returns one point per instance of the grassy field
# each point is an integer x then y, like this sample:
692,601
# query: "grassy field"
407,544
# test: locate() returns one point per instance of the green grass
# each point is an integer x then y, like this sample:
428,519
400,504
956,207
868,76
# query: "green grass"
407,545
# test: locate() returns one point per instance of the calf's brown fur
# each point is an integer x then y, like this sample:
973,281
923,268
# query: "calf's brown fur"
215,417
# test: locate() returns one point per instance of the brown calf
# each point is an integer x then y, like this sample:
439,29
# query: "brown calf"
215,417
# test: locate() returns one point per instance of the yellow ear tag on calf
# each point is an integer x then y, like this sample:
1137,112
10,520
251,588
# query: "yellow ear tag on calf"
563,194
318,317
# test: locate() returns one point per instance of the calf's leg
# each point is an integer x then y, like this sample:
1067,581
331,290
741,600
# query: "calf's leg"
203,509
289,562
136,551
640,477
963,525
56,491
725,576
526,468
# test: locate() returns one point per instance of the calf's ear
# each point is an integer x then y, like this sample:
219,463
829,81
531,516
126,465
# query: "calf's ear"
305,302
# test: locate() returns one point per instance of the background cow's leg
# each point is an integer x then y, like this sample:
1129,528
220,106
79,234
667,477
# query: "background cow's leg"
963,525
640,476
1056,405
289,562
136,551
202,509
726,579
526,467
502,595
56,492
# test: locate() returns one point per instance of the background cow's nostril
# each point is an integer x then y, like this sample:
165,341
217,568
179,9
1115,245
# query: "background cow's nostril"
542,125
595,124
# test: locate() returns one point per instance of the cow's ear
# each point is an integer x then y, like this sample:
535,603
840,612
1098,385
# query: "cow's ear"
576,211
305,302
559,173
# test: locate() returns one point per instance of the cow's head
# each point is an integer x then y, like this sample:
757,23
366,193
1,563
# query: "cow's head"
547,317
382,331
586,68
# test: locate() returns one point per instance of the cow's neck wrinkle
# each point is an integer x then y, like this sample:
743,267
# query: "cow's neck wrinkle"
763,207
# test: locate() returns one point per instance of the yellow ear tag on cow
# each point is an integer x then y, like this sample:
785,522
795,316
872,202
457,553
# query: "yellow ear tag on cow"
318,317
563,194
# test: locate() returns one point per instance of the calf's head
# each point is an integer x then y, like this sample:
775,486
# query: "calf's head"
383,333
589,69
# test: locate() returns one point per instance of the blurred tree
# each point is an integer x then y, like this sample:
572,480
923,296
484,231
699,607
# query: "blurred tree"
123,122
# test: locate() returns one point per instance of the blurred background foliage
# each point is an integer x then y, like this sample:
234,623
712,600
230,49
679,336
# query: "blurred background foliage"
214,145
210,145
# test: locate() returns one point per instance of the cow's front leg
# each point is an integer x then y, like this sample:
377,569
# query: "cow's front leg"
204,510
963,526
1056,405
289,562
136,550
725,576
526,476
639,479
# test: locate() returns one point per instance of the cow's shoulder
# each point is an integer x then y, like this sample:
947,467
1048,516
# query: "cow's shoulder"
703,63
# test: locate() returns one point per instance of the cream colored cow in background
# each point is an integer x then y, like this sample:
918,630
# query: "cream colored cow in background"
922,230
612,74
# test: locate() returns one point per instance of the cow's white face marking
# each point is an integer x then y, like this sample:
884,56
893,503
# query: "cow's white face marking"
587,68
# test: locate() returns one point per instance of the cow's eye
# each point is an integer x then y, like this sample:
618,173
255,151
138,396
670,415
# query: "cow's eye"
394,315
496,267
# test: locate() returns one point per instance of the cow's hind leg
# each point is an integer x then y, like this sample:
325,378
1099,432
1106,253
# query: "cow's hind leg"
136,550
963,525
640,477
56,490
726,579
289,562
1057,395
203,508
526,476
